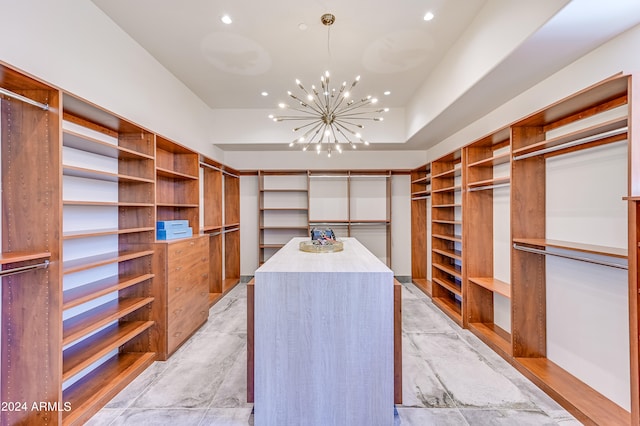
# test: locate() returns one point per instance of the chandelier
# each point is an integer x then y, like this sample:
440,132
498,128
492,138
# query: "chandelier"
329,118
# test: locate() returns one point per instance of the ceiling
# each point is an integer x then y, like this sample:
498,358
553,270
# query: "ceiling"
389,44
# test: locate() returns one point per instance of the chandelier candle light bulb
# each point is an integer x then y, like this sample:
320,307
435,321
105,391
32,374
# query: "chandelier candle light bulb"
330,116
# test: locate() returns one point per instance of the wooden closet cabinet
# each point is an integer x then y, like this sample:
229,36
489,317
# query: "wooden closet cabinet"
182,283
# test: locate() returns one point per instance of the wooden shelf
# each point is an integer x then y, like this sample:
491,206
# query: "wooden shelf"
172,174
424,193
284,190
445,206
454,238
580,399
78,141
455,254
489,182
493,284
81,325
229,283
330,221
105,203
178,205
492,161
102,232
595,130
271,246
231,225
452,287
214,297
449,173
284,227
423,180
209,228
584,248
99,175
284,208
84,263
449,269
423,284
85,293
450,307
93,391
82,355
15,257
447,222
495,337
448,189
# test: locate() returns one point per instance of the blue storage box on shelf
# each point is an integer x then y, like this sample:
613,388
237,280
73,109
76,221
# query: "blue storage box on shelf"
170,224
173,229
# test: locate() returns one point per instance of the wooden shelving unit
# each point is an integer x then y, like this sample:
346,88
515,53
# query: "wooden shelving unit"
447,270
231,230
177,187
212,179
108,221
31,185
283,209
483,178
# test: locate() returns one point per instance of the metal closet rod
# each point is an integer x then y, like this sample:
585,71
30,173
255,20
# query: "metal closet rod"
215,234
218,169
566,256
577,142
24,99
18,270
420,198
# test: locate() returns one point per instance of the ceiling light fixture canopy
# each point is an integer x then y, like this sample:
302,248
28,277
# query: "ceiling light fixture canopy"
330,117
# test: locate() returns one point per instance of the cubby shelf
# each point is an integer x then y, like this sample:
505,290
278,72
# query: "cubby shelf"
91,291
492,161
15,257
83,324
83,354
85,263
452,254
69,235
94,390
82,142
492,284
105,203
173,174
82,172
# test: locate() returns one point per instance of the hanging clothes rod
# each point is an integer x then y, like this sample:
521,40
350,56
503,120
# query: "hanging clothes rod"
218,169
13,271
24,99
614,132
482,188
566,256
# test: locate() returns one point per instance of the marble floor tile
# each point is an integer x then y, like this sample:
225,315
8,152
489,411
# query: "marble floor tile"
104,417
227,417
465,374
429,416
506,417
449,377
160,417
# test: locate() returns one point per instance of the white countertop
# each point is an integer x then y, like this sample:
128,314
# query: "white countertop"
354,258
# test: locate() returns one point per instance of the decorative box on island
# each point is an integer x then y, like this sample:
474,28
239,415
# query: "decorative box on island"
173,229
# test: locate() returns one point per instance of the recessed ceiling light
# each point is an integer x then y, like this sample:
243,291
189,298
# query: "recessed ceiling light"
226,19
302,26
387,93
428,16
265,93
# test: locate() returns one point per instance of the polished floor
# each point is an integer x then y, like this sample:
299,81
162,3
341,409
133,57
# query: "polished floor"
449,377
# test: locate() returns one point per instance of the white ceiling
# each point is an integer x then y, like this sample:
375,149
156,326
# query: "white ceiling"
387,43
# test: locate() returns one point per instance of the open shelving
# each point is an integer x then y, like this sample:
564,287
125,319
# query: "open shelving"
283,209
447,270
487,182
108,227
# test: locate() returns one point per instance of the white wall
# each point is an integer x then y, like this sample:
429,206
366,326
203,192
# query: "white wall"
73,45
